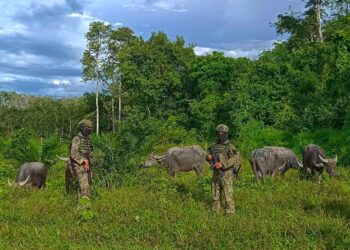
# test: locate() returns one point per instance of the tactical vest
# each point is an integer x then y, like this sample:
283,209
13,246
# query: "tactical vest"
218,149
85,146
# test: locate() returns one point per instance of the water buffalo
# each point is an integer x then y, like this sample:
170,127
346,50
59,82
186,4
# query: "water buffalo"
32,173
68,174
314,160
179,159
268,161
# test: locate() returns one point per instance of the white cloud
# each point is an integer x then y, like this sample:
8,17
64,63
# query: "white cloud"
157,5
59,82
253,53
118,24
248,48
7,77
80,15
10,28
23,59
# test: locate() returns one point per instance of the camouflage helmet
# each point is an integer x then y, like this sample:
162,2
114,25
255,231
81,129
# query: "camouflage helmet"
85,123
222,128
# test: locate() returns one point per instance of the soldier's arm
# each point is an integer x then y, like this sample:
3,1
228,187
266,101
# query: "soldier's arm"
209,157
74,152
233,157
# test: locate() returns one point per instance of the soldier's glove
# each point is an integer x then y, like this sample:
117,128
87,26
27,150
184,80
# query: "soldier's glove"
209,157
85,165
218,165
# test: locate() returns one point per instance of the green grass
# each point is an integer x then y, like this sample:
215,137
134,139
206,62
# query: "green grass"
157,212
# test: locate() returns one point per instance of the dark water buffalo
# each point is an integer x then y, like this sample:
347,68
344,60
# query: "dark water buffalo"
32,173
68,174
179,159
314,160
268,161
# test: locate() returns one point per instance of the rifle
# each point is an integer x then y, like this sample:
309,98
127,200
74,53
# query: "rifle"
88,157
212,159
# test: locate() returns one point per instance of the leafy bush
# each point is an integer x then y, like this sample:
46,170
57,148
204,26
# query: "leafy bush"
255,135
334,142
118,156
23,147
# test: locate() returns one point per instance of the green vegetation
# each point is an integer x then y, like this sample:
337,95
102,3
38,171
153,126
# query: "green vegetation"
292,95
153,211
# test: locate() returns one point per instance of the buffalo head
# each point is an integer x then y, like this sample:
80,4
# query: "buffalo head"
19,184
152,161
330,165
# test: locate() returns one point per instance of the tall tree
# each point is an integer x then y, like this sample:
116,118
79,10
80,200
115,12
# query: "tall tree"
96,53
315,12
119,38
153,74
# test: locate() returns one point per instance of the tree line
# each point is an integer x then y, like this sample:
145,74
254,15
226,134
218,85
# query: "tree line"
147,86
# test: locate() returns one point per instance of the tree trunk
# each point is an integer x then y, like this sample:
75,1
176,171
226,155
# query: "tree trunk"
120,104
97,110
317,8
113,116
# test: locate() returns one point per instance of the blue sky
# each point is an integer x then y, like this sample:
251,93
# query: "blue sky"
41,42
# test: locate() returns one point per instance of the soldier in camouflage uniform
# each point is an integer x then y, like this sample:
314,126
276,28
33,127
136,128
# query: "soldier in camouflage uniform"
80,156
224,159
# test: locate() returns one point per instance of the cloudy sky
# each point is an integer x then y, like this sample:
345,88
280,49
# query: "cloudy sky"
41,41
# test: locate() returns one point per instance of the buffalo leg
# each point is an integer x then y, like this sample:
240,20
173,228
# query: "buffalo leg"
171,173
68,179
198,170
254,168
42,186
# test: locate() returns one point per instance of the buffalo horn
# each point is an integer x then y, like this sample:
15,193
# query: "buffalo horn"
22,183
319,165
299,163
323,159
159,157
282,166
62,158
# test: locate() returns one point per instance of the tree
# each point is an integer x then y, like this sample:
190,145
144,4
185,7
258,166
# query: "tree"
315,12
153,74
96,53
306,27
118,39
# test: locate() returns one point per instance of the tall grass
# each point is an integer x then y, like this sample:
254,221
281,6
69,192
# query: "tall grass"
146,209
164,213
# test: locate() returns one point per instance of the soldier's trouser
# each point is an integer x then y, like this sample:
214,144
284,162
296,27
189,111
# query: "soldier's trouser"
222,184
83,180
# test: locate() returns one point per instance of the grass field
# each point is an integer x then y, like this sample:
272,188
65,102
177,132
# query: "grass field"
153,211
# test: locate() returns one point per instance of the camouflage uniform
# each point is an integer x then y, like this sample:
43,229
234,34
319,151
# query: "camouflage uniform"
223,178
81,151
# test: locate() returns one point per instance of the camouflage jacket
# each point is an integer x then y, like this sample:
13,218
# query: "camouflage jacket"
81,148
227,153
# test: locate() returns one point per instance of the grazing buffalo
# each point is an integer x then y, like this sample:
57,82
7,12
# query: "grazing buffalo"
179,159
268,161
314,160
32,173
68,174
